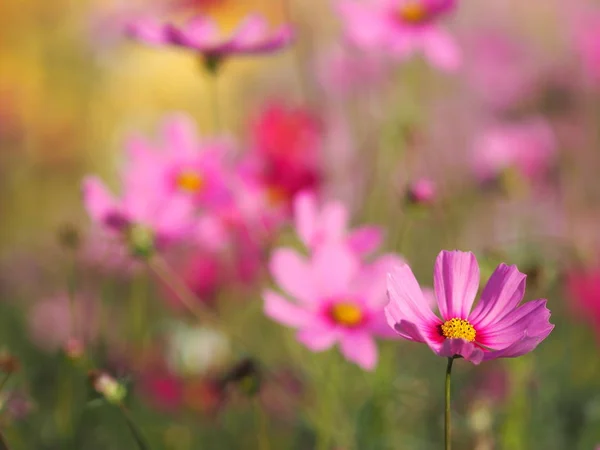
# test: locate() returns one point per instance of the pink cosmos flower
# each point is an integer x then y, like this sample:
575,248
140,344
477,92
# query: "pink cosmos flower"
182,165
286,155
343,306
402,28
317,226
528,147
496,328
202,35
162,187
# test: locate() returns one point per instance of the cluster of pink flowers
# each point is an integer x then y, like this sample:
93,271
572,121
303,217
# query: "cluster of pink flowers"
337,293
202,193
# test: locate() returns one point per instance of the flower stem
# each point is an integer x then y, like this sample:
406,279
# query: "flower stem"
447,424
136,433
261,418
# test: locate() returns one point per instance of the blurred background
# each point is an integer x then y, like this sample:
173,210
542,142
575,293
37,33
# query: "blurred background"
499,156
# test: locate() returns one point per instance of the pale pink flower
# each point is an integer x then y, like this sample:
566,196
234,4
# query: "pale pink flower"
529,147
496,328
402,28
202,34
343,305
330,223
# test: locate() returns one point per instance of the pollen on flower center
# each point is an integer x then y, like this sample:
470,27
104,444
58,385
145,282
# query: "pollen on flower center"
190,181
458,328
346,314
413,12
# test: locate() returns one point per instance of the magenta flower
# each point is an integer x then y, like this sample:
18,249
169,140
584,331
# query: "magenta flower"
583,287
202,35
402,28
343,306
496,328
317,226
182,165
529,147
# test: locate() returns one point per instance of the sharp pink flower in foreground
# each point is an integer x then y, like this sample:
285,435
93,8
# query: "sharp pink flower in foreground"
496,328
330,223
529,147
202,34
336,299
402,28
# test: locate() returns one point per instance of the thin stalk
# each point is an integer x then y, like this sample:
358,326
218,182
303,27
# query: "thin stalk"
135,431
447,423
214,100
261,419
4,380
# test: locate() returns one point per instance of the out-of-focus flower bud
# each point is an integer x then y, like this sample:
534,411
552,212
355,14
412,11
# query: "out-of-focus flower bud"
421,192
113,391
141,241
74,348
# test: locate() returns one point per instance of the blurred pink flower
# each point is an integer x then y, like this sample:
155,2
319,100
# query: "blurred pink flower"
202,35
583,287
162,390
496,328
343,306
51,325
163,187
421,191
587,42
318,226
402,29
286,154
499,68
344,71
528,147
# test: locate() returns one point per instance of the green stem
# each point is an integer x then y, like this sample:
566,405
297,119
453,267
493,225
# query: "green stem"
261,418
214,101
447,424
135,431
4,380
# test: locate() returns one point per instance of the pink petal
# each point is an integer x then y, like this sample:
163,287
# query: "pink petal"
360,348
253,30
305,216
372,281
460,347
318,339
525,345
172,217
281,310
441,50
531,319
334,220
429,334
293,274
179,134
364,27
501,295
335,267
455,280
151,31
200,32
365,239
100,203
379,326
407,302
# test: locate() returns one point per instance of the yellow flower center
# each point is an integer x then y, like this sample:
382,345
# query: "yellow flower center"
413,12
346,314
458,328
190,181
